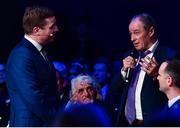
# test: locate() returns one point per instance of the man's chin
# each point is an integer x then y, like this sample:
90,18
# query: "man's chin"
138,49
87,101
51,39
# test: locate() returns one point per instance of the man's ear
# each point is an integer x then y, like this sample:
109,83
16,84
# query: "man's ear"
170,81
36,30
151,31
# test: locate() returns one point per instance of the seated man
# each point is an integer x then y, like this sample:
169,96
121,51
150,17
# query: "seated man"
83,110
83,91
102,74
169,82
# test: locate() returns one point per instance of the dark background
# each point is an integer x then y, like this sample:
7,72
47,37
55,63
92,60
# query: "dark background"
107,21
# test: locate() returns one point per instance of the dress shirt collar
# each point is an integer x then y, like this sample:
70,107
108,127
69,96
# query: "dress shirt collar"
153,47
172,101
35,43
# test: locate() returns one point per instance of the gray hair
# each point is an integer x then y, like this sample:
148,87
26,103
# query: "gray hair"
82,79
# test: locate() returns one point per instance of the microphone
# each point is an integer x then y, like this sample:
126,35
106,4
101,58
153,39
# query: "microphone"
51,34
130,70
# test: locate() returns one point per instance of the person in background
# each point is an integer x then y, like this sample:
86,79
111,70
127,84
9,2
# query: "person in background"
77,66
62,77
102,74
31,79
141,95
61,68
63,84
84,107
169,82
83,91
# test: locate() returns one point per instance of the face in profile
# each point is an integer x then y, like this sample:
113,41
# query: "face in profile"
162,78
48,32
139,36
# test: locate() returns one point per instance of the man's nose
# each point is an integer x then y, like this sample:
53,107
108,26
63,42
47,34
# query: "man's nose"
132,38
85,92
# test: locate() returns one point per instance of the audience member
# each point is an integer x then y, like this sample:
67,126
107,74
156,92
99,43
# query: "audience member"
84,108
63,84
77,66
31,79
169,82
61,68
102,74
83,91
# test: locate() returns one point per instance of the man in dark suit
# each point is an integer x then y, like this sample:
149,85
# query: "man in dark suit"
141,95
169,82
31,80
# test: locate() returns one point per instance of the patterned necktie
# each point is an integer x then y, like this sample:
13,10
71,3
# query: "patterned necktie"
130,111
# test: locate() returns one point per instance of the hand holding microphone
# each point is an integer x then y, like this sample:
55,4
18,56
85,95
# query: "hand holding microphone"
128,65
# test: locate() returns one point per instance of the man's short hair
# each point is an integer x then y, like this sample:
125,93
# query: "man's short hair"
35,16
147,20
173,69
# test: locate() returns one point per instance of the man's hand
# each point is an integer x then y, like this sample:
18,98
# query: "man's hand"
128,62
150,66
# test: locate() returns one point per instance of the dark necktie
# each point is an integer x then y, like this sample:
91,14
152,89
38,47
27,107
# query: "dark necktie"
44,53
130,112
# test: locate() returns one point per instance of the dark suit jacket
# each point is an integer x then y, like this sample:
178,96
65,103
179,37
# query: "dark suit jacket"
151,97
32,87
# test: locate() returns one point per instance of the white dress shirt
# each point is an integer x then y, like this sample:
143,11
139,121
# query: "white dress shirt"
35,43
172,101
